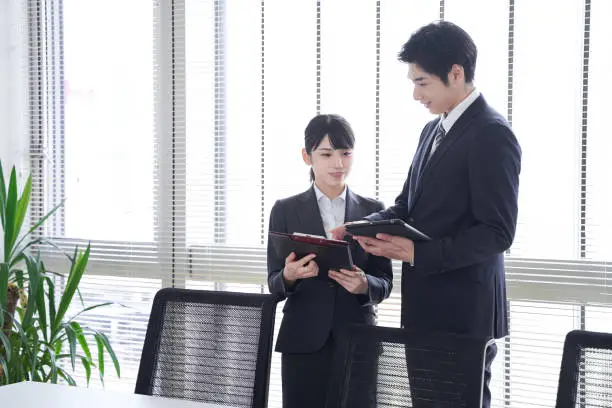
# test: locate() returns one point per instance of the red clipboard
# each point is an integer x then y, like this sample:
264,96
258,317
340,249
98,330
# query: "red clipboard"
331,253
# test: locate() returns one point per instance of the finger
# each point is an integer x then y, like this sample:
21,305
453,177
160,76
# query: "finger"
308,271
335,275
339,279
338,232
349,274
363,245
384,237
303,261
290,258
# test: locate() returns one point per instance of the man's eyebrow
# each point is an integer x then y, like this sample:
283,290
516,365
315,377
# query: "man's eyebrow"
419,79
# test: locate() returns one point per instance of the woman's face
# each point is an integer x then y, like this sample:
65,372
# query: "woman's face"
330,166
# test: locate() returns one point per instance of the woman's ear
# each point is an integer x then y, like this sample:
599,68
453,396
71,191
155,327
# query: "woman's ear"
306,157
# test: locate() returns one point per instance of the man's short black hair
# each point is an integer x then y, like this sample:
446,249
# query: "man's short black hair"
436,47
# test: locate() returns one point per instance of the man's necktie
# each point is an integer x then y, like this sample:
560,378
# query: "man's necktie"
440,133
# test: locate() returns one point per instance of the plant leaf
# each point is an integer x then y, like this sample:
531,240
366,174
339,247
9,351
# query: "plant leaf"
111,352
5,377
91,308
2,197
34,280
72,344
42,308
52,364
20,213
18,277
87,367
20,249
10,235
6,344
74,278
62,373
51,300
4,272
38,224
100,343
80,335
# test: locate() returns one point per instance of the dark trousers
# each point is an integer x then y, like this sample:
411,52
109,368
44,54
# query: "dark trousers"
424,396
305,377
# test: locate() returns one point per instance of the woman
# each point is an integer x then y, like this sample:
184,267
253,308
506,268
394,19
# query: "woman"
318,306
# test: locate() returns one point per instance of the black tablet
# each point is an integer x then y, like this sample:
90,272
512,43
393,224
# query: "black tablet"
392,227
331,254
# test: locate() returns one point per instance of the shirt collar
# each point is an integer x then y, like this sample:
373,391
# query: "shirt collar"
321,195
449,120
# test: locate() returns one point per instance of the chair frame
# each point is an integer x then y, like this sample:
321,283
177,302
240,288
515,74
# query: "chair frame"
575,342
397,336
267,302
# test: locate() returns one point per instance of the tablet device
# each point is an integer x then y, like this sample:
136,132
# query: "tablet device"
392,227
331,253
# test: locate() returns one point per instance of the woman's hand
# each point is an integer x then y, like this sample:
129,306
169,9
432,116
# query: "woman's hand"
353,281
299,269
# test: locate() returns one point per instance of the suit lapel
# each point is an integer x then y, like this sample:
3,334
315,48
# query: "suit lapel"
308,213
351,209
419,161
454,135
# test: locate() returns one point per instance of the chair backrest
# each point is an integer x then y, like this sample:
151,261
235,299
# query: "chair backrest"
390,367
209,346
585,379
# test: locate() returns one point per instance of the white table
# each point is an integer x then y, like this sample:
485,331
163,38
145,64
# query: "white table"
40,395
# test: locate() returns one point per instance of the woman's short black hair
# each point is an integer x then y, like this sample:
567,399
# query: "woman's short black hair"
337,128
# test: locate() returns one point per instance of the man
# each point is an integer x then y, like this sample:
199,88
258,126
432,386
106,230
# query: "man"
461,190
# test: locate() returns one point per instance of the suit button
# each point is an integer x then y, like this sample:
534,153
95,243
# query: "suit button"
331,284
410,220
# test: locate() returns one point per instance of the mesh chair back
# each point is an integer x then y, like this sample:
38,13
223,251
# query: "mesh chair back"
209,346
585,379
387,367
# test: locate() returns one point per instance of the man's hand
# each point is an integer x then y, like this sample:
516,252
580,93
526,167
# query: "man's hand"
338,233
301,269
354,282
389,246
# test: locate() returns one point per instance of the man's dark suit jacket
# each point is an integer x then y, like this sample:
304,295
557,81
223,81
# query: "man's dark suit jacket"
465,198
315,307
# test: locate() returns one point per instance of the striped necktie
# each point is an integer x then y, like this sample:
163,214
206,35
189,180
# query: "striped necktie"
440,133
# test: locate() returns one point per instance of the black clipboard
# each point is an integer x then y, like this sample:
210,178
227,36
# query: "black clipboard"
331,254
392,227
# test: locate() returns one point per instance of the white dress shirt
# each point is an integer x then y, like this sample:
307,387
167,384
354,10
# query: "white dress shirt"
332,211
449,120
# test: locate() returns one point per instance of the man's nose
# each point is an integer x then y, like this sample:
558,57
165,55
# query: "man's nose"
416,94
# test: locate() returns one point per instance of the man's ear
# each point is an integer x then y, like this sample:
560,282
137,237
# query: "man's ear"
456,76
306,157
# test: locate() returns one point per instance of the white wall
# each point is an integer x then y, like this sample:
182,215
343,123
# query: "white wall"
13,85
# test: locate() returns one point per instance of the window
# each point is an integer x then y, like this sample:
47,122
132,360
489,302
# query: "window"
173,134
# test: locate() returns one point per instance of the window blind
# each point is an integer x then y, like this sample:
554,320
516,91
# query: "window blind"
172,135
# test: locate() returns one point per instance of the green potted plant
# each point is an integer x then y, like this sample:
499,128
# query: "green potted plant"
39,341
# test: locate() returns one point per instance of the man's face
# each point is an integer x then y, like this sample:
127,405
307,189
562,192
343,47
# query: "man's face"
429,89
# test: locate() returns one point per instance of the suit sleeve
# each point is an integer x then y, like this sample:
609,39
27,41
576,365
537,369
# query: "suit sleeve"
494,165
276,283
379,273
